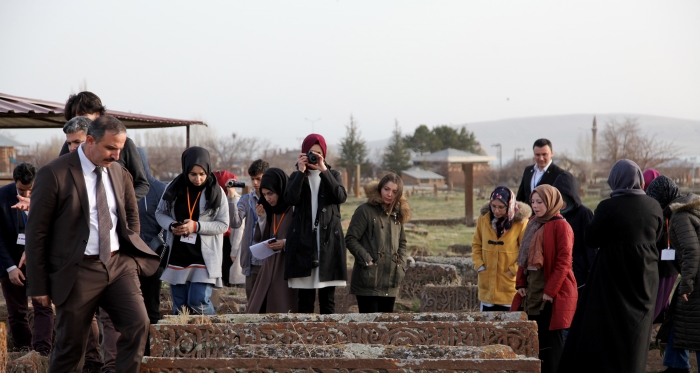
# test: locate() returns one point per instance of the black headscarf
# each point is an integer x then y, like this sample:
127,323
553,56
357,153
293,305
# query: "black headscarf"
274,179
625,179
177,190
663,190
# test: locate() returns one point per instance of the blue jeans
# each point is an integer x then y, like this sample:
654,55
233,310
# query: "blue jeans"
194,296
674,358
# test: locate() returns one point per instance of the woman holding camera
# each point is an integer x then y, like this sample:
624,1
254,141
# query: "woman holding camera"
194,212
271,293
315,249
377,240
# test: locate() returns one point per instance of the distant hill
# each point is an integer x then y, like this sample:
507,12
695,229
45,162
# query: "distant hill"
565,130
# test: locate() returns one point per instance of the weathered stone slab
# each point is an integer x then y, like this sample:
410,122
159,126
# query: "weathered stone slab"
478,329
465,266
3,346
338,365
460,249
420,274
31,362
449,298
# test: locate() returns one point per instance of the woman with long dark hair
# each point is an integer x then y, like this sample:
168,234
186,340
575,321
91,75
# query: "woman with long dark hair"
377,240
316,258
271,293
194,212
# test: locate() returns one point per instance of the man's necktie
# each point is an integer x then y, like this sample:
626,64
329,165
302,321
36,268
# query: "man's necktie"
104,220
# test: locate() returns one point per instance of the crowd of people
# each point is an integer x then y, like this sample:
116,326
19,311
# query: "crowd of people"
94,235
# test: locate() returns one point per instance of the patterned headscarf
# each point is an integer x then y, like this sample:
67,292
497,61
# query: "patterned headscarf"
504,223
663,190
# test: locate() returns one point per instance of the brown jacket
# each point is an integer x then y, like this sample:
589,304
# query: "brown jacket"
58,227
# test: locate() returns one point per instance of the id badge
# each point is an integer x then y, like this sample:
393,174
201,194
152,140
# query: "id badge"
668,254
192,238
21,239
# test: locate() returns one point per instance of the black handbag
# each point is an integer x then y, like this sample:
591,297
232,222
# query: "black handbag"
160,247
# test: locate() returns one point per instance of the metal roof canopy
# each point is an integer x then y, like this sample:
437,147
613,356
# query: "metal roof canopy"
26,113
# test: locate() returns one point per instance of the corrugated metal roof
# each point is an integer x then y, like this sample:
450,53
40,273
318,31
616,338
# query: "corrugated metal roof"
422,174
21,112
454,156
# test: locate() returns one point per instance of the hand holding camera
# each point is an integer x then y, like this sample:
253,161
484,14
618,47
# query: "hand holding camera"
313,160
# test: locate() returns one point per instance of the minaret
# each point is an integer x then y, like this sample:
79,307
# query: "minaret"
594,140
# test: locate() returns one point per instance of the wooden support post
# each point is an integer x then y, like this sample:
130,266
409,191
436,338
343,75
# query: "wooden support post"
357,182
187,142
346,179
468,169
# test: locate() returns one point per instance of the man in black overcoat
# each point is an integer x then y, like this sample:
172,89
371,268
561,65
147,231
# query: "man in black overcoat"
542,172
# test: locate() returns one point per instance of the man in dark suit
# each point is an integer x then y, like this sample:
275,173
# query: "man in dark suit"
84,250
542,172
12,258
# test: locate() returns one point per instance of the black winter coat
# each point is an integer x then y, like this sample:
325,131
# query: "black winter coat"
301,247
578,217
684,229
611,328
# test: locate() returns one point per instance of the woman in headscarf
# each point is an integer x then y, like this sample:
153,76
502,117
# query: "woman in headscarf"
545,281
612,325
377,240
681,328
499,232
194,212
649,175
316,258
664,191
271,293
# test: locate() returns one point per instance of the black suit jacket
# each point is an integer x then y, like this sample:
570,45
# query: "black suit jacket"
59,226
10,253
548,178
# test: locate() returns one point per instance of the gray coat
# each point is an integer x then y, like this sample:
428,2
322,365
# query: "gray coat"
212,223
246,212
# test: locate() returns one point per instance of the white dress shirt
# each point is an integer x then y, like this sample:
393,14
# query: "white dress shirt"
537,175
93,245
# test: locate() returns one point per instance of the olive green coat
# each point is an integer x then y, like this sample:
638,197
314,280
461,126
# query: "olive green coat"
375,236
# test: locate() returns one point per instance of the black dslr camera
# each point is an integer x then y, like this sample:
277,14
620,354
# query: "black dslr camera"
235,184
312,157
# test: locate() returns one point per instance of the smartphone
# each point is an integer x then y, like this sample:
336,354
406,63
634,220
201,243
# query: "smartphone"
177,224
272,240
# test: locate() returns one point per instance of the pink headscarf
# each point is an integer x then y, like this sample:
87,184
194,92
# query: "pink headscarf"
649,175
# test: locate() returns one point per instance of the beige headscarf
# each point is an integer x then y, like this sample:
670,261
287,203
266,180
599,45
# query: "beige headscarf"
531,254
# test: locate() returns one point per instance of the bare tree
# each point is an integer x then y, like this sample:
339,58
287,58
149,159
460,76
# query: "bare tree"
626,140
163,148
39,154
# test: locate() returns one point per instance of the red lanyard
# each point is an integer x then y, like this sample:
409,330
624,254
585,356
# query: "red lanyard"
668,238
191,208
275,225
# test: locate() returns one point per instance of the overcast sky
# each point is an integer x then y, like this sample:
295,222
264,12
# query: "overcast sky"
260,68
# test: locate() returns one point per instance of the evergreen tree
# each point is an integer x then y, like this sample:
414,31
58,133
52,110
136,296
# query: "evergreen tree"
441,137
397,157
353,151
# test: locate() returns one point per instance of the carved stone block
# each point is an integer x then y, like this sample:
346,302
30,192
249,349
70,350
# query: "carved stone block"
477,329
420,274
465,266
449,298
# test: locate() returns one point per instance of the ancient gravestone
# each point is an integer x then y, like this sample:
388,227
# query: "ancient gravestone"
31,362
351,358
449,298
420,274
191,338
3,345
465,266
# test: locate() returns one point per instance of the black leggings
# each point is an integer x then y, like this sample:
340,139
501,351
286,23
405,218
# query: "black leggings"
371,304
551,341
